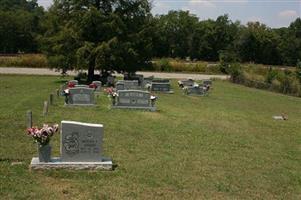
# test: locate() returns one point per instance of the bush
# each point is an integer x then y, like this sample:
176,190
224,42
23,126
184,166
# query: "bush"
236,73
271,75
226,58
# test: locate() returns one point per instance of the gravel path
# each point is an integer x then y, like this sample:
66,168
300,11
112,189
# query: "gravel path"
43,71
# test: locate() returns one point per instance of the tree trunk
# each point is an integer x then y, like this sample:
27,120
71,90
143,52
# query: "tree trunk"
90,74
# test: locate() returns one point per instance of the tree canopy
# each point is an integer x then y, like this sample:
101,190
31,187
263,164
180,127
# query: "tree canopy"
123,36
106,35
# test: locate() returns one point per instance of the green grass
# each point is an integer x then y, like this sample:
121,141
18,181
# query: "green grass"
223,146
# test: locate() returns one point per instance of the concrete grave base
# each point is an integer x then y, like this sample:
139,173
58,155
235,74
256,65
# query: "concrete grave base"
56,163
153,109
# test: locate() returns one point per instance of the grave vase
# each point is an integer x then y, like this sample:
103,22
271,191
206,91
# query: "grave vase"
44,152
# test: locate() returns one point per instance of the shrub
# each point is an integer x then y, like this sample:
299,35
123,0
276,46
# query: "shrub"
226,58
236,73
164,65
285,81
271,75
298,71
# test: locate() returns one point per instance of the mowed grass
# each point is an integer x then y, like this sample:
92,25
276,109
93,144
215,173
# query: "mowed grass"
222,146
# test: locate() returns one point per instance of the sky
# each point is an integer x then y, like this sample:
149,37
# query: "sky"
274,13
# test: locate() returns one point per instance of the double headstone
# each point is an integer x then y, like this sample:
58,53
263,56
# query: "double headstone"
137,77
186,83
195,90
127,85
81,96
134,99
160,87
81,148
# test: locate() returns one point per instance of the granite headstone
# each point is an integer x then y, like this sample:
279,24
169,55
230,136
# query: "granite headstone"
81,96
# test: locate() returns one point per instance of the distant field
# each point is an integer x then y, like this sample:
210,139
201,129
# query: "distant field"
223,146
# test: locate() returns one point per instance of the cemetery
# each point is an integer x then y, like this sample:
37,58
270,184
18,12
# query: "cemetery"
150,99
193,146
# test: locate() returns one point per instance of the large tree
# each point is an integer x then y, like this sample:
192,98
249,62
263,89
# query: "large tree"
109,35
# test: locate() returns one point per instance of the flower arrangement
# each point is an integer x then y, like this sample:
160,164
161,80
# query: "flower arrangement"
42,135
71,85
110,92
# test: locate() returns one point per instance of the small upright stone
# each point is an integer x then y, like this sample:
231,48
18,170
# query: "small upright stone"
51,99
29,118
45,108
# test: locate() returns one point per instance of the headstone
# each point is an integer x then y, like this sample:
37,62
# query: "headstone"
81,148
81,96
133,77
147,80
45,108
199,90
207,82
160,87
75,82
157,80
81,142
110,81
51,99
127,85
186,83
98,84
29,118
134,99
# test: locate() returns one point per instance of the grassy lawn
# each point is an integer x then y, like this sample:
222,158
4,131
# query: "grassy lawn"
224,146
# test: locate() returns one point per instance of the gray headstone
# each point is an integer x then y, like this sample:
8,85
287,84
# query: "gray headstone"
133,98
188,82
45,108
81,96
73,81
110,80
160,81
127,85
81,142
195,90
160,87
29,119
207,82
98,84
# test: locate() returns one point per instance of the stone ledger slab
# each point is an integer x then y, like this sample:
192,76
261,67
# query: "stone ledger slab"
56,163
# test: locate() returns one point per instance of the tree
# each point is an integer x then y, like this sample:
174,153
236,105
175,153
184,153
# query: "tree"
111,35
258,43
19,25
